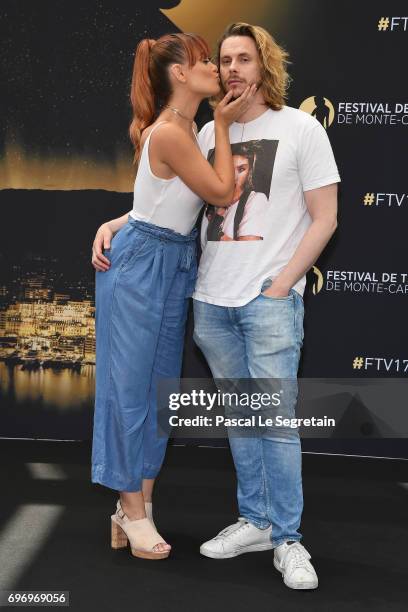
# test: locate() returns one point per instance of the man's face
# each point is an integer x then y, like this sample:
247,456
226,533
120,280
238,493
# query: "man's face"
239,64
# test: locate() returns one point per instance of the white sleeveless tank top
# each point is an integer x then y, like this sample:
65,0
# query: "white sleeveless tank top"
165,202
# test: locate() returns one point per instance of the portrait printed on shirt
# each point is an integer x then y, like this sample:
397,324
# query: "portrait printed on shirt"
245,218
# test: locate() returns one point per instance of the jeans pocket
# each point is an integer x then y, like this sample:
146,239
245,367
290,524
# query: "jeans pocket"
135,249
266,284
277,299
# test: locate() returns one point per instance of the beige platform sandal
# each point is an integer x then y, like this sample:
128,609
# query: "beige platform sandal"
149,513
141,534
148,509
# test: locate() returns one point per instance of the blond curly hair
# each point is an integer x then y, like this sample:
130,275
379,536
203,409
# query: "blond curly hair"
273,58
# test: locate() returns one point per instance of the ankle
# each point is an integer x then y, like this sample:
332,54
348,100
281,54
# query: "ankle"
133,513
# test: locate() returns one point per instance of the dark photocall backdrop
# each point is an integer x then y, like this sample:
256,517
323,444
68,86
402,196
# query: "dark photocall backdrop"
65,167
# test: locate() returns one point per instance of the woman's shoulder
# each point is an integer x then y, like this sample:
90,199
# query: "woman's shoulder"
149,129
167,131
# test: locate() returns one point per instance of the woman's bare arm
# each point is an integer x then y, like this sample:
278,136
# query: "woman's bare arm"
172,146
102,240
116,224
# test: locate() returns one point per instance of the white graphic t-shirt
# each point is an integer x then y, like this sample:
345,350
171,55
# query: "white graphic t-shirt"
277,157
252,222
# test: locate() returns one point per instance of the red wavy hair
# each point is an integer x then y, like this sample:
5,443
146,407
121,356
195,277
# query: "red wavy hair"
151,86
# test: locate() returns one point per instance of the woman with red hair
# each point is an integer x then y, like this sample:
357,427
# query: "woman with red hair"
146,275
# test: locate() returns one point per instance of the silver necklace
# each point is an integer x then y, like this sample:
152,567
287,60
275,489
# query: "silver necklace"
177,112
242,133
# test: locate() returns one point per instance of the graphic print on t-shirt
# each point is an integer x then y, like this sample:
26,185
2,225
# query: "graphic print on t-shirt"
245,218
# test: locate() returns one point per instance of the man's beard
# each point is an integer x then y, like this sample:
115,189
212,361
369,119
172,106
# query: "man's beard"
244,85
238,92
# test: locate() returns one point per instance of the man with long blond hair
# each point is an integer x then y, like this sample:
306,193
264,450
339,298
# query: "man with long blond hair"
248,304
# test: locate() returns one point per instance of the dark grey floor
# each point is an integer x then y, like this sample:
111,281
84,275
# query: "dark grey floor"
55,534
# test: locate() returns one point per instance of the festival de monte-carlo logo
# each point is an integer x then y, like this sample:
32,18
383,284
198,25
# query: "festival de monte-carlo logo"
318,281
364,113
353,281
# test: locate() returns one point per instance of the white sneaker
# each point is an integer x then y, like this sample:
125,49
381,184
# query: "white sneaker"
239,538
292,560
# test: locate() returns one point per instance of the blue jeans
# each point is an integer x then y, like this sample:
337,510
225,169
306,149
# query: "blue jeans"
261,339
141,311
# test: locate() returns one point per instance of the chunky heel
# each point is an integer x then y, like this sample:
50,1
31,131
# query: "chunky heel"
119,538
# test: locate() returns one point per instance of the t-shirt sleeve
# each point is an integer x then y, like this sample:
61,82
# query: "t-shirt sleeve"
316,164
